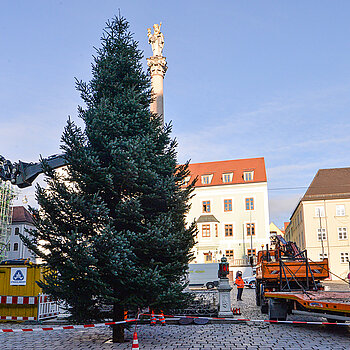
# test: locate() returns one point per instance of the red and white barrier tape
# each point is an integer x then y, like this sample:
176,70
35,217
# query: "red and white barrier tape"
7,299
65,327
233,320
25,300
18,318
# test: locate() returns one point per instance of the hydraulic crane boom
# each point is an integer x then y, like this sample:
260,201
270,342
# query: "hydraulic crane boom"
23,174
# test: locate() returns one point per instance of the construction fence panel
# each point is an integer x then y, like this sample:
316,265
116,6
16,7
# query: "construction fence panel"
21,297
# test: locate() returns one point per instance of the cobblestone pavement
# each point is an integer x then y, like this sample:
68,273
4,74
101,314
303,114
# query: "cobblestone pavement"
211,336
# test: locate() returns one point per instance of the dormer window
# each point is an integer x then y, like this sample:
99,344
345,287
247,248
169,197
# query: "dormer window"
206,179
228,177
248,175
186,180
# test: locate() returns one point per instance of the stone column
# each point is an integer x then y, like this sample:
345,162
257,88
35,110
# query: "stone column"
157,66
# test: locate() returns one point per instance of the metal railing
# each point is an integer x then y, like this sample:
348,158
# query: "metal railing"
47,307
205,303
242,262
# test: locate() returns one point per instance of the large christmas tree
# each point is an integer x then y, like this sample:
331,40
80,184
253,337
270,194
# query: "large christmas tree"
112,226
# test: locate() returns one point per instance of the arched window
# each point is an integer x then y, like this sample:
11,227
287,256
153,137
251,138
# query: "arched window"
16,230
15,247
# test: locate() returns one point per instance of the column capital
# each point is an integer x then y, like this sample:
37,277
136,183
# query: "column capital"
157,65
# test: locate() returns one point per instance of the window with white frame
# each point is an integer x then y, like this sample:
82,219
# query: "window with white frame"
227,177
16,230
342,233
321,234
250,229
206,206
228,230
248,175
206,179
227,204
186,180
319,212
229,253
206,230
340,210
302,244
251,252
249,204
323,256
208,257
344,257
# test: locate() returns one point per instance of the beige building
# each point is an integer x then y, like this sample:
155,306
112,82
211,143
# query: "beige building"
230,208
275,231
320,223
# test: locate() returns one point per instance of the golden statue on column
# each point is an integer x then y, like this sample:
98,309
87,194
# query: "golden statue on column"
156,40
157,66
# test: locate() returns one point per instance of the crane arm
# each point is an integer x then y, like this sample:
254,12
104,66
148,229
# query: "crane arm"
23,174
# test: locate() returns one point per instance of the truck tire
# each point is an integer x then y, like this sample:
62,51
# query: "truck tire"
277,309
264,306
332,320
210,285
257,294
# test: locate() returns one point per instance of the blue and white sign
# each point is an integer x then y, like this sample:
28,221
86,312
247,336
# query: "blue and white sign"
18,276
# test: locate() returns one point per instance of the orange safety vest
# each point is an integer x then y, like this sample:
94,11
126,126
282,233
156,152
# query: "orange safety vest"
239,282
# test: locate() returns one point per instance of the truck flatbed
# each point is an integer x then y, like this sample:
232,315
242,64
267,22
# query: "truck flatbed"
318,301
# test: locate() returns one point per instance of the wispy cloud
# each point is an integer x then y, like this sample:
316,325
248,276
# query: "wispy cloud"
282,206
297,136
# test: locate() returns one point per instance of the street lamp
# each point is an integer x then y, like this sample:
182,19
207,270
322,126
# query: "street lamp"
251,234
321,233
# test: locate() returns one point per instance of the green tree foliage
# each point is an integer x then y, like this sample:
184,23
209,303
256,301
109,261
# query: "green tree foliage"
113,224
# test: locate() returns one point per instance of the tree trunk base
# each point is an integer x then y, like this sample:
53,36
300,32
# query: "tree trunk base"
118,329
118,334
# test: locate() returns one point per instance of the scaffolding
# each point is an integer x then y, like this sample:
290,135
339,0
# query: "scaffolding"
7,195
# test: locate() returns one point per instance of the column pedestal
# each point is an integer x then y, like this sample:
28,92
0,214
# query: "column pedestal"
224,289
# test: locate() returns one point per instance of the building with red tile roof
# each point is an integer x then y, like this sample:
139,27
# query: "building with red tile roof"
237,172
21,214
21,222
230,208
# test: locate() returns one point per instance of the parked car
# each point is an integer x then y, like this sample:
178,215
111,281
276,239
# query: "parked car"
249,282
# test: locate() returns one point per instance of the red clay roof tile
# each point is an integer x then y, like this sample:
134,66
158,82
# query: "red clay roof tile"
237,167
21,214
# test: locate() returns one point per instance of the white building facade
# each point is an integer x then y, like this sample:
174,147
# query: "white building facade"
230,208
21,221
321,221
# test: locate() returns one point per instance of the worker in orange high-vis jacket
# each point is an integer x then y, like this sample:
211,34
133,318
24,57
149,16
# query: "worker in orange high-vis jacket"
240,285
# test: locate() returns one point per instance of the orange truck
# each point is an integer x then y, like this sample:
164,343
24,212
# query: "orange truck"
287,282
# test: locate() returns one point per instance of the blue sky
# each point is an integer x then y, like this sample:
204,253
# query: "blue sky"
245,79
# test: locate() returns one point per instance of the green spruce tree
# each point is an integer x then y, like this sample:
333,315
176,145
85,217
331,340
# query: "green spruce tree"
112,226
